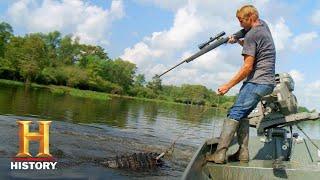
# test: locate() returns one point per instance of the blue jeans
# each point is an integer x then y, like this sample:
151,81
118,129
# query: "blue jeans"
249,96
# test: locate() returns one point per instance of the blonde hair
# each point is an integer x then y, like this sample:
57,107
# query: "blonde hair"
247,11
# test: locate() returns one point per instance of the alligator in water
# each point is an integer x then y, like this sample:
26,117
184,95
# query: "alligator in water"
136,161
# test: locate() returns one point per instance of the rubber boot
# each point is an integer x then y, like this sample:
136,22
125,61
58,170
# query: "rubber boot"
242,154
229,128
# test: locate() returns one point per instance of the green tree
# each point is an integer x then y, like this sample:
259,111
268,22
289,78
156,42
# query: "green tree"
5,35
89,50
196,94
302,109
34,57
13,56
68,51
76,77
53,41
139,80
119,72
155,84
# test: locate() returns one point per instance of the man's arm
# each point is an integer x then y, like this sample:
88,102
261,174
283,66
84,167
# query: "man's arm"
242,73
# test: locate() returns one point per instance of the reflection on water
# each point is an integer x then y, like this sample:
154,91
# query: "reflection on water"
148,119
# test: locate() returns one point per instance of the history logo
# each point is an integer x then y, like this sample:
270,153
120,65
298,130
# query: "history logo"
24,160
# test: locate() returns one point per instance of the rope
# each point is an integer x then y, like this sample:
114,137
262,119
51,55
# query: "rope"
308,150
171,147
313,143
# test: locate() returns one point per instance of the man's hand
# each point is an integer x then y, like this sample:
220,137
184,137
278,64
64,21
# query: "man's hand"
223,89
243,73
232,39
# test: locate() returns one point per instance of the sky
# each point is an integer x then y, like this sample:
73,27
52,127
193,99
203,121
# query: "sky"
157,34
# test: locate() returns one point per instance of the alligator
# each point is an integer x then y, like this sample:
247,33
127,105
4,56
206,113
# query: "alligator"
136,161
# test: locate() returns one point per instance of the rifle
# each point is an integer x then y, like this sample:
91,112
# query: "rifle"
211,44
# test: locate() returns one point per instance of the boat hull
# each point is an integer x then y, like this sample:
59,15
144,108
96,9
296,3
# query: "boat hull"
303,164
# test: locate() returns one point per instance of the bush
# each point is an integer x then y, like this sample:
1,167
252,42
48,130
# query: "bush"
50,75
98,84
47,76
76,77
143,92
7,70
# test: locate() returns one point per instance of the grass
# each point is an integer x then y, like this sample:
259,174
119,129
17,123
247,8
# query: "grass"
10,82
18,83
64,90
146,99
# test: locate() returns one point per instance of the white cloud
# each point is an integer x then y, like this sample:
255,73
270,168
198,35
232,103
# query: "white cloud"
117,9
185,27
315,18
297,75
310,94
140,54
307,93
90,22
281,34
304,40
162,45
166,4
315,86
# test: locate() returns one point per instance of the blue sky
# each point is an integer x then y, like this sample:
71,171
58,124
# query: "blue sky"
156,34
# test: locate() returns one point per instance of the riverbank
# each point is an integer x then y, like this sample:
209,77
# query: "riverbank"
64,90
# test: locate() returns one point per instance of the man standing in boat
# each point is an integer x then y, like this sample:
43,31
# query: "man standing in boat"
258,70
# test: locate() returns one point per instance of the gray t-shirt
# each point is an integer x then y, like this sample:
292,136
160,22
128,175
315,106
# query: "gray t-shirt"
258,43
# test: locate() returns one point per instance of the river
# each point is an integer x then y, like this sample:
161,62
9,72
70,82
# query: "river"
124,125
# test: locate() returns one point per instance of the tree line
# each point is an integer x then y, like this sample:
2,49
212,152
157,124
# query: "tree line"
54,59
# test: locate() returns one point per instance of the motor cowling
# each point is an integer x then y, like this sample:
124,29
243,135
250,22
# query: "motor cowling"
286,100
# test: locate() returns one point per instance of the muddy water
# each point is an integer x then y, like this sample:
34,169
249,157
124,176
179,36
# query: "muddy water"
87,129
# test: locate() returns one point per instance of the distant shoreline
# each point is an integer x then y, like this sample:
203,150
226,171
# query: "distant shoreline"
64,90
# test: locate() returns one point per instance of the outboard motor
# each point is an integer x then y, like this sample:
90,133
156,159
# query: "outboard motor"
281,102
286,100
273,114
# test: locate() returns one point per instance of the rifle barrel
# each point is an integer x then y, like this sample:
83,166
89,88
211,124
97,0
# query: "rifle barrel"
199,53
209,47
172,68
